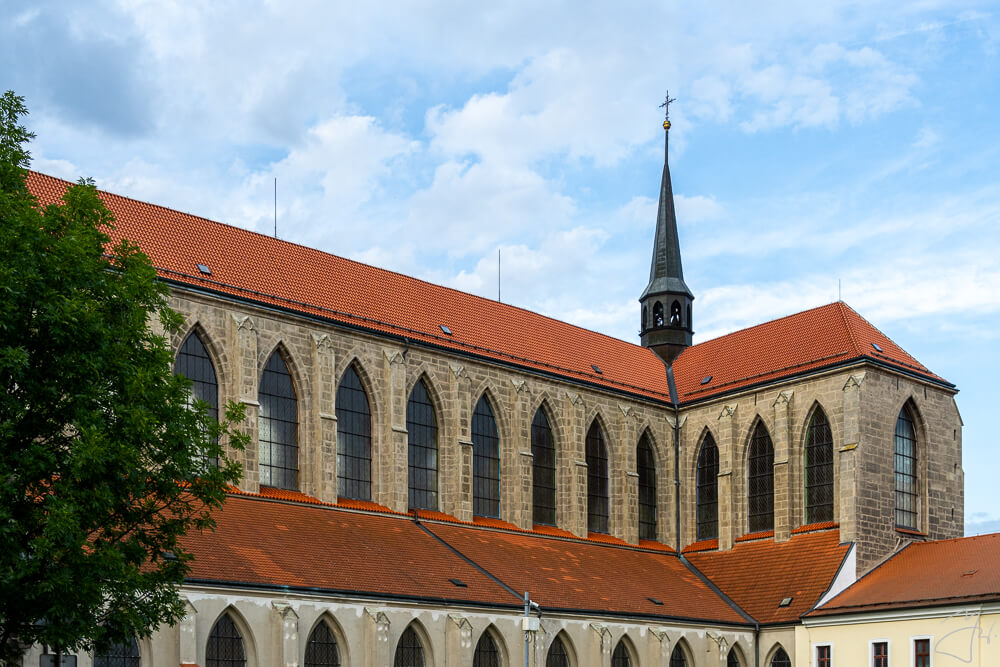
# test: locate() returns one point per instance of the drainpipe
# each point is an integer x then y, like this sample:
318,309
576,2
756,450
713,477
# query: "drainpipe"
677,458
756,644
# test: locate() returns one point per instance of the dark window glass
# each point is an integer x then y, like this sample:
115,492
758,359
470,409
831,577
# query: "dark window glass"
486,654
194,363
657,314
880,654
780,659
409,650
119,655
906,471
819,469
732,660
597,481
620,657
646,465
543,468
761,479
822,656
354,439
675,314
557,656
708,489
422,451
225,645
322,651
485,461
677,658
278,427
921,653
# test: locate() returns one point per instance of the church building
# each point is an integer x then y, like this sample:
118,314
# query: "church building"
425,461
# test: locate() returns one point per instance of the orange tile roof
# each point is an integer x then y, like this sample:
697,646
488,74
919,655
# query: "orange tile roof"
276,273
758,575
926,574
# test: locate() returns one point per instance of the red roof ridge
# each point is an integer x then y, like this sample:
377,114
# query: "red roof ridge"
845,309
841,306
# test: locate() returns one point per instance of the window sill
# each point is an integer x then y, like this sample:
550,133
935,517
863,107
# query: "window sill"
910,531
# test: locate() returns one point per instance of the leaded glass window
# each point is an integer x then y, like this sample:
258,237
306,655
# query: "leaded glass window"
597,480
906,471
194,363
422,449
543,451
819,469
761,481
277,427
646,467
354,439
732,660
620,657
485,461
322,650
119,655
780,659
708,489
557,656
677,658
409,650
225,645
486,654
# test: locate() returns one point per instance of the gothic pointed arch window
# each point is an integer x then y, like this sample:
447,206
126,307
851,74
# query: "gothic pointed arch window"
485,461
646,467
422,449
194,363
409,650
675,314
225,645
322,649
543,468
760,494
780,659
597,480
733,660
644,317
677,657
905,468
487,654
277,426
819,469
620,658
354,439
119,655
708,490
557,655
657,314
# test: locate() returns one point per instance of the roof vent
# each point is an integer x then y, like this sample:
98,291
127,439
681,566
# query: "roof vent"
706,379
876,346
597,369
785,602
445,329
655,601
969,573
204,269
459,583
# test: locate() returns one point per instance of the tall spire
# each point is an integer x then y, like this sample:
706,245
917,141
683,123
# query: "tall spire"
666,301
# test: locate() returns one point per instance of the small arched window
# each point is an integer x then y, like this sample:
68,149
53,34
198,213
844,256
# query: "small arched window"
422,450
780,659
819,469
733,660
644,313
354,439
906,471
409,650
194,363
225,645
675,314
322,649
119,655
761,481
543,466
657,314
677,658
485,461
487,654
597,480
690,323
557,656
277,427
708,489
620,657
646,467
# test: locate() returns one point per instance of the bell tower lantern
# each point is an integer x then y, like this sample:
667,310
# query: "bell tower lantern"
666,302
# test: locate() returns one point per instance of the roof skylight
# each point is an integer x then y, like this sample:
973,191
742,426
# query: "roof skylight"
445,329
785,602
204,269
597,369
706,379
459,583
876,346
655,601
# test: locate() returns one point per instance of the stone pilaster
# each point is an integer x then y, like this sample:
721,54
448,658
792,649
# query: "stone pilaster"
458,641
188,635
323,480
392,471
516,459
730,517
244,335
847,463
658,648
287,631
573,484
377,650
455,463
784,476
599,652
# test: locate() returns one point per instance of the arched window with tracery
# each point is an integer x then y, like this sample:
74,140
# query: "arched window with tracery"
487,654
708,489
485,461
194,363
819,469
422,449
906,470
646,467
733,660
409,650
225,645
761,480
354,439
597,480
677,658
543,467
657,314
557,656
780,659
322,649
675,314
119,655
278,427
620,658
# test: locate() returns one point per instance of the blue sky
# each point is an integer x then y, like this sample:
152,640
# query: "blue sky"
849,141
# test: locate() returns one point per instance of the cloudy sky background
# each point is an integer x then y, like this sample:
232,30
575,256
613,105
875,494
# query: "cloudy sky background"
853,142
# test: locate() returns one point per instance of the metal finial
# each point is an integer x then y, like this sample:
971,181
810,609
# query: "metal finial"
666,110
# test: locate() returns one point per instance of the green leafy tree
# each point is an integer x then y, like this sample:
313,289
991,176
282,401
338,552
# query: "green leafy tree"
103,457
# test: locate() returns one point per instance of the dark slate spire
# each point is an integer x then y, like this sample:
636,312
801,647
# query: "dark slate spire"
666,301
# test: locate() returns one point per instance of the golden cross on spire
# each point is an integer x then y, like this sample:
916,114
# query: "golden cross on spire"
666,110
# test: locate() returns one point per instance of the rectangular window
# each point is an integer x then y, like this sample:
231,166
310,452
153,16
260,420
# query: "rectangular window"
823,656
880,654
921,653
